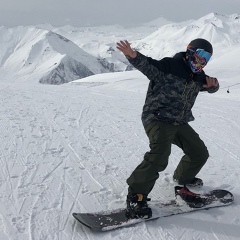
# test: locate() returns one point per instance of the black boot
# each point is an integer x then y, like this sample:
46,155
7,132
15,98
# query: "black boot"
195,182
137,207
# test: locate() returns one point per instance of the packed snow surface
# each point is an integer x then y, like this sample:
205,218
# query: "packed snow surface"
70,148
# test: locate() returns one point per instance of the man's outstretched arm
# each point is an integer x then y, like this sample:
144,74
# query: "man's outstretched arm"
139,61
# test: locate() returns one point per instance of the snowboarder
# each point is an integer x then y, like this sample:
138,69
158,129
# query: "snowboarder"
174,85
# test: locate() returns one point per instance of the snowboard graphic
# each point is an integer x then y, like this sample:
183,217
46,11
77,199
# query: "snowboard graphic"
108,220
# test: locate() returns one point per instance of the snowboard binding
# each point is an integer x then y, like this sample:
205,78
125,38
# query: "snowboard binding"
192,199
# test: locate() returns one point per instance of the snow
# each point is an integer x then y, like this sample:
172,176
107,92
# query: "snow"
70,148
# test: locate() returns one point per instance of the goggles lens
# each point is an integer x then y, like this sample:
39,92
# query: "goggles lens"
201,55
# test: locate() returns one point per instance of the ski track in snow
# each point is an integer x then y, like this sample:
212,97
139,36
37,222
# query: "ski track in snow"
70,148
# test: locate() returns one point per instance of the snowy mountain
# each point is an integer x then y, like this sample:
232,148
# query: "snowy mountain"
101,41
59,55
30,52
160,38
221,30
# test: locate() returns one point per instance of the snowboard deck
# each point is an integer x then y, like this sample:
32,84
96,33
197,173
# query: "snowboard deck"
108,220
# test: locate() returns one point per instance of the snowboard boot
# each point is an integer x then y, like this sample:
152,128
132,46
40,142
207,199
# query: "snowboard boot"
192,199
137,207
195,182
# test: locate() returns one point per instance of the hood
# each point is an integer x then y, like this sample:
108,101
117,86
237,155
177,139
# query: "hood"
180,56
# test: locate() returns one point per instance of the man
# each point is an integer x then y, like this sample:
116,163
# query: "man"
174,85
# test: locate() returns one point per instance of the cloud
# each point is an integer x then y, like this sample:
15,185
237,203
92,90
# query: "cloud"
108,12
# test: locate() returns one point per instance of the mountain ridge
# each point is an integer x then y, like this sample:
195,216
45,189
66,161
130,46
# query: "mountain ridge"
60,55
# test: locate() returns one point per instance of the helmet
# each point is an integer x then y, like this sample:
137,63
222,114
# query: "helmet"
199,52
203,44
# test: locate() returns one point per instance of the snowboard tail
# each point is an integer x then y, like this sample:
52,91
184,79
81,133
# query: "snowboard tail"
107,220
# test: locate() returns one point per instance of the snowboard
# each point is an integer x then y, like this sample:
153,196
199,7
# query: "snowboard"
108,220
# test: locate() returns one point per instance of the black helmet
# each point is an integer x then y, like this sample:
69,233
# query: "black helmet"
202,43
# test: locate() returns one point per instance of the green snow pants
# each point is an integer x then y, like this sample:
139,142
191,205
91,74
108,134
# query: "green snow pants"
161,136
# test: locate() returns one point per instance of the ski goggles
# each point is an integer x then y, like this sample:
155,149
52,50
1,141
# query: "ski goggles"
201,56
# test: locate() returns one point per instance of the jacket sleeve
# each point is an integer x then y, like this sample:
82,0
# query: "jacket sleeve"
148,66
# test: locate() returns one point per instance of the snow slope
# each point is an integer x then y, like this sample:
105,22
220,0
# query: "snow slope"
70,148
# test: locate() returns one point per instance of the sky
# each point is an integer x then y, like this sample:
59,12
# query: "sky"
81,13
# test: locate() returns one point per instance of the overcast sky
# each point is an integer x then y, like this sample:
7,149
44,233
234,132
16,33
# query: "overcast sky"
108,12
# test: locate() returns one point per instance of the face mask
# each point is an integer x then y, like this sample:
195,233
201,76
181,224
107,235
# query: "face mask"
197,58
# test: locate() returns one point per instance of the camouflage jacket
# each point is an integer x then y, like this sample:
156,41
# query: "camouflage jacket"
172,90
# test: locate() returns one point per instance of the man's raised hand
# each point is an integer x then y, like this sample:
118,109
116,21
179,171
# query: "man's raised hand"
126,49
